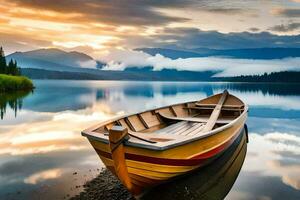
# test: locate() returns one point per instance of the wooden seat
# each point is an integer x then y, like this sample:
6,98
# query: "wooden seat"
195,119
231,108
214,105
183,128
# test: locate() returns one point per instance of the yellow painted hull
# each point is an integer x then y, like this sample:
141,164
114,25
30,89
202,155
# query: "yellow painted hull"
148,168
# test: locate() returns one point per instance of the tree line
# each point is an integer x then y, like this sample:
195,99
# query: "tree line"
11,68
274,77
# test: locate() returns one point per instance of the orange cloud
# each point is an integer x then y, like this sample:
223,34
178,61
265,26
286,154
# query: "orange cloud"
96,26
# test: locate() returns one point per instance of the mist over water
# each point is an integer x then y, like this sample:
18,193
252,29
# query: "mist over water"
122,59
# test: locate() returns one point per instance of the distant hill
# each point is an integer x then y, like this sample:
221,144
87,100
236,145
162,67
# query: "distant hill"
257,53
133,74
54,59
164,75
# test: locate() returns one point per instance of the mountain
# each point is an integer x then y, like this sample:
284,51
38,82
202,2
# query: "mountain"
133,74
255,53
54,59
58,64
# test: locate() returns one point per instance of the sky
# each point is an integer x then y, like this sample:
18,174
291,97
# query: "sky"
98,27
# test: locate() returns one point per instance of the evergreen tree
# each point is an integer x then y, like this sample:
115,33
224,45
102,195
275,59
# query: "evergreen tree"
10,68
2,62
16,69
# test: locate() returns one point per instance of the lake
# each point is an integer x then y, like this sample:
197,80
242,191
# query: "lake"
44,156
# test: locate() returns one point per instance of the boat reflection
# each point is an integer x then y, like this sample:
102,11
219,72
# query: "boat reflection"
211,182
13,100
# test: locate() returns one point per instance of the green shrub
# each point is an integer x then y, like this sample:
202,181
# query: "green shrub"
14,83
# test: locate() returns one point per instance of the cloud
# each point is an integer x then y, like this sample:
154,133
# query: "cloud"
254,29
13,42
287,12
285,27
88,64
122,59
101,25
134,12
189,38
230,11
42,176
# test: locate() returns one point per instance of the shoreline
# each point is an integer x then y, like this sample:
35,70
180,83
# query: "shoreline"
9,83
104,186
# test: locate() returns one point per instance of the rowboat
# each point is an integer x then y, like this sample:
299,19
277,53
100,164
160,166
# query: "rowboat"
154,146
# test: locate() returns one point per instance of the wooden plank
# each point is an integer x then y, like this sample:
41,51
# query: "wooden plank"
123,123
135,134
215,113
165,111
150,119
224,106
195,119
143,121
173,111
184,129
180,111
135,122
178,129
129,124
197,130
170,127
191,129
211,108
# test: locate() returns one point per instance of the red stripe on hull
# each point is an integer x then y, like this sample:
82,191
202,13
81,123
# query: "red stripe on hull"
216,150
196,160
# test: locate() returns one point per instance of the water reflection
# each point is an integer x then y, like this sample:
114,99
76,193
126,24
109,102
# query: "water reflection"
13,99
212,182
41,148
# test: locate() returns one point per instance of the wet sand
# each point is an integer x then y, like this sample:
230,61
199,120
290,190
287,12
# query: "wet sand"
104,186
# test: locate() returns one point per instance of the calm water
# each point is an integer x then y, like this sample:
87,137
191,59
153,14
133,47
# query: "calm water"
43,155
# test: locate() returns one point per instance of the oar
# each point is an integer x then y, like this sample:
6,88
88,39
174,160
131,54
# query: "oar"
215,113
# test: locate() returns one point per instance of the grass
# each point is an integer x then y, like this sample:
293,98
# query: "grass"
14,83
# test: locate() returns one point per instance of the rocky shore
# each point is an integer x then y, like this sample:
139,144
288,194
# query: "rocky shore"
104,186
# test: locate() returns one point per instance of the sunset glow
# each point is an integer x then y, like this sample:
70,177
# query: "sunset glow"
94,26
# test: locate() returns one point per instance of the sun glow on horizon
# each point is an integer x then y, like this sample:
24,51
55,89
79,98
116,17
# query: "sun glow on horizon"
93,25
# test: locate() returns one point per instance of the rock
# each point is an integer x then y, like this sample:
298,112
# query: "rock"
104,186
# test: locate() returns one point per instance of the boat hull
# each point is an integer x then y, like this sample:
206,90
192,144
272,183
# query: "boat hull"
147,168
213,181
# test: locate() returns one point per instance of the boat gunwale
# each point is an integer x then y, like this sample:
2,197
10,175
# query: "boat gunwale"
188,139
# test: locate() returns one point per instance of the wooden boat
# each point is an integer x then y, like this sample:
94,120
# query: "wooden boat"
154,146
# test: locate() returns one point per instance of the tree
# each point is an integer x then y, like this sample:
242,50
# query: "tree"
17,69
10,67
2,62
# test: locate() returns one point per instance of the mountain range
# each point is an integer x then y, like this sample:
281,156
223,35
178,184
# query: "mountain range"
58,64
54,59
